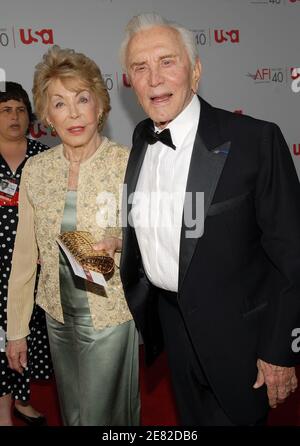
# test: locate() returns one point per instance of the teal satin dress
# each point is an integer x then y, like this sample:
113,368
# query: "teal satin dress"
96,370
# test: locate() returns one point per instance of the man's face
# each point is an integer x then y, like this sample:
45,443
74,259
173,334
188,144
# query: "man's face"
161,73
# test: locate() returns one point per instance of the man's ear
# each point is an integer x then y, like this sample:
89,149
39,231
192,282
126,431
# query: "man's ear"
196,75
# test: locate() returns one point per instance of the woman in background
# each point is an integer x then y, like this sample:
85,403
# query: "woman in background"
15,149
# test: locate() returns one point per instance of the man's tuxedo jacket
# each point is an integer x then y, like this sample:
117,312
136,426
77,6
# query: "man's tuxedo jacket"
239,283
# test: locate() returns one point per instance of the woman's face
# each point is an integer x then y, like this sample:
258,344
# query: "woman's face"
74,114
14,120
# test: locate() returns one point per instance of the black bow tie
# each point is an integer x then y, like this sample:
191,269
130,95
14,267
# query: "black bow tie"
165,137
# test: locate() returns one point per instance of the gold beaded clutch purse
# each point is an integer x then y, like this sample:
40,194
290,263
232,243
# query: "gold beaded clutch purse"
80,244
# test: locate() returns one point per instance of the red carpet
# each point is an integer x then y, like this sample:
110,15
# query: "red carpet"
158,408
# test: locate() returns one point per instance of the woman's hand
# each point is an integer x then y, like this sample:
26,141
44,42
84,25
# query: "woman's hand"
110,245
16,352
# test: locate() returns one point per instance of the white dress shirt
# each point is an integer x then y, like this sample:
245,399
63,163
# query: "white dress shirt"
157,208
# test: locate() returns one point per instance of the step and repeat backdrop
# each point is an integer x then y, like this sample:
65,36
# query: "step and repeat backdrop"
249,51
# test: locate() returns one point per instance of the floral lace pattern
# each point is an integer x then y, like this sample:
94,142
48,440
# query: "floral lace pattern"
100,178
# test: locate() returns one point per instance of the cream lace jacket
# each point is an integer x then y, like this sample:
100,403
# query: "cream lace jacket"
42,197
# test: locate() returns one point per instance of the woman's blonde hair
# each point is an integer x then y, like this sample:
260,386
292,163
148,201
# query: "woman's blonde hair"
67,65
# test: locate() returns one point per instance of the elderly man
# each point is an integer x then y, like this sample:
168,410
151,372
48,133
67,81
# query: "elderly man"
224,300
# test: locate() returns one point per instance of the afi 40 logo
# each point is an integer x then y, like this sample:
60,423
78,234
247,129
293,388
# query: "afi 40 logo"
267,74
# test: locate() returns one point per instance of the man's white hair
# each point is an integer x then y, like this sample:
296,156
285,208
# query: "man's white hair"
151,20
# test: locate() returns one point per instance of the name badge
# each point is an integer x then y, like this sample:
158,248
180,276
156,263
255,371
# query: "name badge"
8,192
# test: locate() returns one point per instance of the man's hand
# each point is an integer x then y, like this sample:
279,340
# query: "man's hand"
280,381
16,352
110,245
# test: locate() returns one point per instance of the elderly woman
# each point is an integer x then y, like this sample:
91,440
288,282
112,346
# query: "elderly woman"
93,340
15,150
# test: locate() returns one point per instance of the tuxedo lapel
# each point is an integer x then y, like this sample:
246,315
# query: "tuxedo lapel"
134,166
207,162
